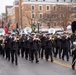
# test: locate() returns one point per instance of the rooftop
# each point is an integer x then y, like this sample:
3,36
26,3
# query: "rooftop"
53,1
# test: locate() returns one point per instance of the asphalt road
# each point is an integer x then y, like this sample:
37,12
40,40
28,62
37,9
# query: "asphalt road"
25,67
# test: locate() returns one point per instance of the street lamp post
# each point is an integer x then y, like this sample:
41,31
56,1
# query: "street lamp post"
34,26
39,26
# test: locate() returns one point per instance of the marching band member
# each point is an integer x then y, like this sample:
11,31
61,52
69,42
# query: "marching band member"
3,45
43,44
1,50
7,47
14,49
64,41
58,45
38,44
27,47
22,42
49,49
33,48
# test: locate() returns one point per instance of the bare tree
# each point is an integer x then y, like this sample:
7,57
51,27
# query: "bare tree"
49,17
32,20
61,14
64,14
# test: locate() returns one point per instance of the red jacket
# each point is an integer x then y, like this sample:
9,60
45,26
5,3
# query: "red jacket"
6,30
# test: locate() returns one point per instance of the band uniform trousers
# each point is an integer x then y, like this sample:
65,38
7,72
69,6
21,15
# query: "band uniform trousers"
14,56
34,50
43,44
48,52
65,47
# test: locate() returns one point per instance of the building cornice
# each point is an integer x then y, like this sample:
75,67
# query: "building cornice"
15,6
47,3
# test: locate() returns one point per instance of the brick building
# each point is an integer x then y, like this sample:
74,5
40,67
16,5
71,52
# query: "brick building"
7,9
12,12
31,12
15,14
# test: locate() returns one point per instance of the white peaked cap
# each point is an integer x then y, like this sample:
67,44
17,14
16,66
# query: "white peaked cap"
13,33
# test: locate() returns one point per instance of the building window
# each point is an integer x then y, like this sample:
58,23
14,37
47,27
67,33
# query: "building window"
57,0
61,1
61,15
40,7
48,16
48,24
55,24
33,15
75,15
48,7
75,8
33,7
71,0
54,8
41,24
68,0
43,0
64,0
40,15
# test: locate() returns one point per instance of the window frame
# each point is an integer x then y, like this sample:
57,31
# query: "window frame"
40,14
47,6
32,6
32,16
41,6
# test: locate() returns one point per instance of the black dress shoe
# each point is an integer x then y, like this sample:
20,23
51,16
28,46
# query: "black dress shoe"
37,61
16,63
73,68
41,57
52,60
67,59
12,62
62,58
26,58
59,57
31,61
55,56
46,59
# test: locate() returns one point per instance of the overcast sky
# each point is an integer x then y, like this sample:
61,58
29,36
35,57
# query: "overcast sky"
3,3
